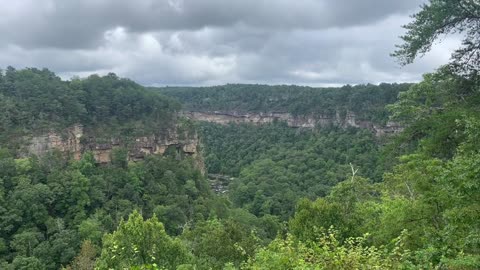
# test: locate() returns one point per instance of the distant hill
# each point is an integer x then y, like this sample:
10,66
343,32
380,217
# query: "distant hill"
367,102
35,101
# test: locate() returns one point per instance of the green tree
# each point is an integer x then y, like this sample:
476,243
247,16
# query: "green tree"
341,209
72,193
25,242
215,243
327,252
85,260
438,18
138,242
27,263
91,229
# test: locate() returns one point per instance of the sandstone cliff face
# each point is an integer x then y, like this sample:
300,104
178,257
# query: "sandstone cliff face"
40,145
75,142
349,120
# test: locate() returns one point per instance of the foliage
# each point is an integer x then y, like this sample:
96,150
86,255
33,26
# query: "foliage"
137,242
37,101
366,101
49,207
85,260
215,243
274,165
438,18
342,208
431,109
326,252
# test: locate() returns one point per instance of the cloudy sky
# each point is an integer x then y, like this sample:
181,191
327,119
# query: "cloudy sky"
209,42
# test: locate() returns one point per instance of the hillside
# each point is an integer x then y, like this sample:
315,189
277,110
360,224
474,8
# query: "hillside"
36,100
366,102
97,114
279,144
416,189
78,156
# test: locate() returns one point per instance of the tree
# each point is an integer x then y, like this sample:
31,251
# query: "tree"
137,242
73,188
214,243
91,229
441,17
27,263
24,242
327,252
85,260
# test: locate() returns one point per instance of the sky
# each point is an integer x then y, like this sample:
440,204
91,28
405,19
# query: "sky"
212,42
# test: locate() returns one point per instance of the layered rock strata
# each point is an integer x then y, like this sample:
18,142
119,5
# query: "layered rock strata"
350,120
75,142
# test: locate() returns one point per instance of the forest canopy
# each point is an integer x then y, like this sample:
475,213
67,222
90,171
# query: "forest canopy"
35,100
366,101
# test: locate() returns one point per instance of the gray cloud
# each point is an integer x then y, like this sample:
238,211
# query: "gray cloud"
80,24
174,42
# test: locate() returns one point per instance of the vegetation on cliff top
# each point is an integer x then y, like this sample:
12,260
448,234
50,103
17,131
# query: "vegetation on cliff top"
34,100
366,101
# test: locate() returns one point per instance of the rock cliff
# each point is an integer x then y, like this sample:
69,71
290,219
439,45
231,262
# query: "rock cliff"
294,121
74,141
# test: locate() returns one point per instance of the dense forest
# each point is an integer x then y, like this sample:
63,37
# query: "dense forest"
35,100
366,101
327,198
274,165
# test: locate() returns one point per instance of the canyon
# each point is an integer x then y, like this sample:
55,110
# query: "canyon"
74,141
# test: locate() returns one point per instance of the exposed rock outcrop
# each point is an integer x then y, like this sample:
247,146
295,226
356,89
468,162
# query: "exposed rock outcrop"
75,142
349,120
67,142
219,183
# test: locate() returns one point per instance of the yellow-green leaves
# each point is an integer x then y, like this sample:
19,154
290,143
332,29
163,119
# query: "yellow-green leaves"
139,242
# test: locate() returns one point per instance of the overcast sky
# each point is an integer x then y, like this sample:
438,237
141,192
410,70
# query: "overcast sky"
209,42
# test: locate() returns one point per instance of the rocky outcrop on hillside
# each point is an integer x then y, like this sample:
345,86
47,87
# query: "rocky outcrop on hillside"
74,141
350,120
219,183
